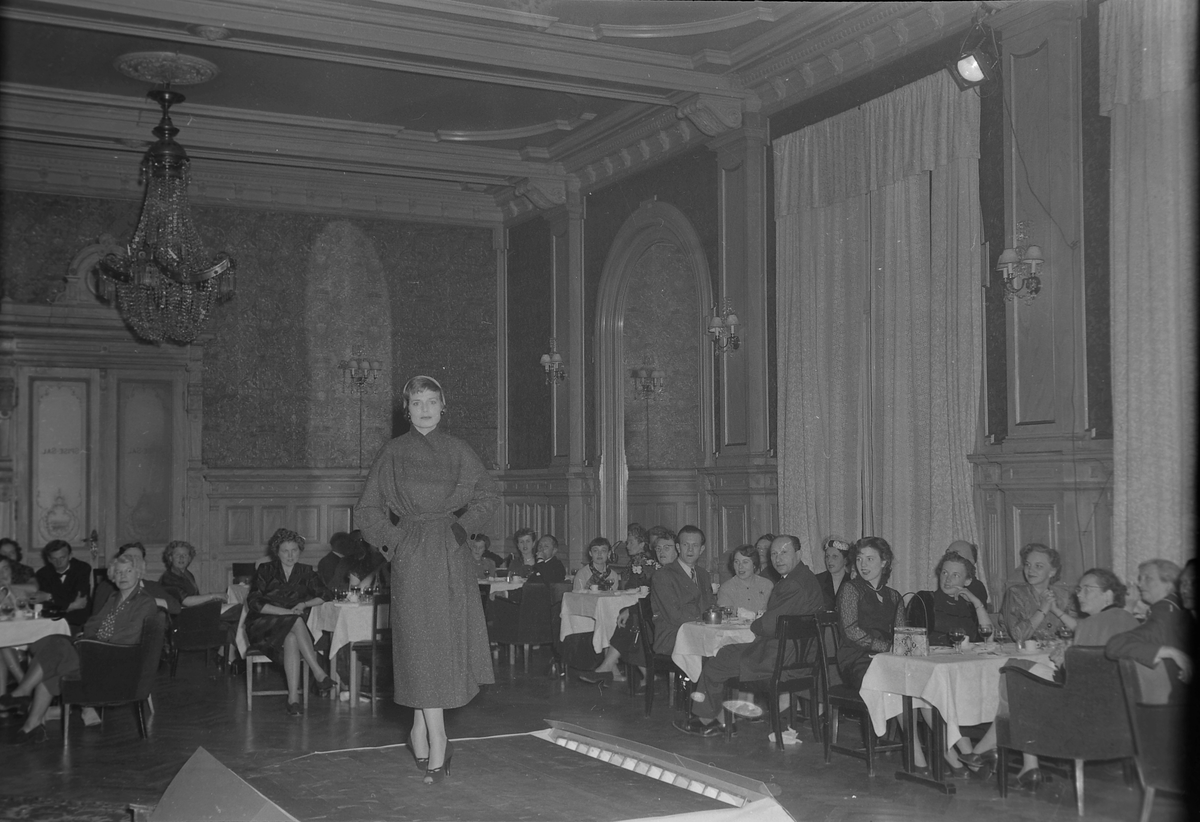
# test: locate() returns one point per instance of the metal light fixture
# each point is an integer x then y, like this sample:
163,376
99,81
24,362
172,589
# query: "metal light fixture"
359,374
1021,267
648,382
978,61
552,362
165,284
722,325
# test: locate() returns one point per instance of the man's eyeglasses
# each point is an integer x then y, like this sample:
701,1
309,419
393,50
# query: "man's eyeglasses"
1079,588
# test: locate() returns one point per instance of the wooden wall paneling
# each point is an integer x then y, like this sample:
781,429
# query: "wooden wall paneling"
340,517
239,525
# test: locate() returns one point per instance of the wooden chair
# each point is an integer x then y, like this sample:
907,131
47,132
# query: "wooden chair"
840,697
1083,718
796,672
1159,739
197,628
373,652
115,674
527,623
658,663
253,657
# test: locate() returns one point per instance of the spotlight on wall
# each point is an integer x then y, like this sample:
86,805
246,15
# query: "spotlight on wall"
977,61
552,362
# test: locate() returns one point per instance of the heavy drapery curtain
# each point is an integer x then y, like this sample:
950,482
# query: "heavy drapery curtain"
1148,89
880,324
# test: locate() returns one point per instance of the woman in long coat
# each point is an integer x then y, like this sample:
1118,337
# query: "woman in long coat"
426,491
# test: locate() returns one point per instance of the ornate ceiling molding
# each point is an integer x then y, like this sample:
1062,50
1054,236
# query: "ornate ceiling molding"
712,115
83,172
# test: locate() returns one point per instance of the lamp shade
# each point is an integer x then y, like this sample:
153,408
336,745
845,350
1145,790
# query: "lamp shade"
1008,257
1033,254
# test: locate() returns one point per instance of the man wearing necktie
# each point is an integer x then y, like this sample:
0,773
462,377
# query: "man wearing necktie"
681,591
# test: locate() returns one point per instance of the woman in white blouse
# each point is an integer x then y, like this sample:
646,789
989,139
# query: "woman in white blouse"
746,589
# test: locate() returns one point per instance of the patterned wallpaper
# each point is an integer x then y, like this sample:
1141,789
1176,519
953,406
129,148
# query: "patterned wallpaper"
311,292
661,312
530,270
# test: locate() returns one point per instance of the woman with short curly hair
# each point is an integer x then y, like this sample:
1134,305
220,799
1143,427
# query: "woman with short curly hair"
281,592
1039,606
178,580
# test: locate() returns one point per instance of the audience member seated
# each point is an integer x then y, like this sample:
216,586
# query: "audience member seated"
12,595
797,593
1101,598
640,560
681,591
597,576
162,597
868,613
745,590
119,621
1038,607
500,562
22,574
485,566
281,592
68,581
968,550
952,607
837,552
525,557
763,546
636,542
1160,643
1187,587
351,561
178,580
548,568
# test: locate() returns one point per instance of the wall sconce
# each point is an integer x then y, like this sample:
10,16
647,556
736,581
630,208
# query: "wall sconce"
8,397
556,370
648,381
723,327
359,374
1021,267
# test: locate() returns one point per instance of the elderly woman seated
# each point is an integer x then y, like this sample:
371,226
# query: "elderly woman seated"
1101,599
22,573
745,591
13,594
178,580
119,621
281,592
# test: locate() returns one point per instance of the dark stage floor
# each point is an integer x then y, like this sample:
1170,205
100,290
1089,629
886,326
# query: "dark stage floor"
108,767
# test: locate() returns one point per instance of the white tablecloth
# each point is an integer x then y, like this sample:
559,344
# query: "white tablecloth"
695,640
346,621
965,688
500,587
24,631
595,612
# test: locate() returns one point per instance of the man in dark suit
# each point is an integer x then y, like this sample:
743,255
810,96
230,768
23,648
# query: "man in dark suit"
68,581
796,593
548,567
681,590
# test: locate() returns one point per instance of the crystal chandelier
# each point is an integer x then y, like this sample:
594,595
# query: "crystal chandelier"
165,284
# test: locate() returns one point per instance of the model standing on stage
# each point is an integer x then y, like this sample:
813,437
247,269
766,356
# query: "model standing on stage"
426,491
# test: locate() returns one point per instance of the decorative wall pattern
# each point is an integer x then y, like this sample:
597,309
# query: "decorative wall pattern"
688,182
308,288
661,316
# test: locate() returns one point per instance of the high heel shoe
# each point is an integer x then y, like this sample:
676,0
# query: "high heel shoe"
422,763
325,686
1032,779
974,761
436,775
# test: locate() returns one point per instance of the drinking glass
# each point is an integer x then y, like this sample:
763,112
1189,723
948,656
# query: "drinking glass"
958,637
1065,634
985,631
6,610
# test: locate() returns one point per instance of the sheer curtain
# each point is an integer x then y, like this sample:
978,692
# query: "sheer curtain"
1148,89
880,324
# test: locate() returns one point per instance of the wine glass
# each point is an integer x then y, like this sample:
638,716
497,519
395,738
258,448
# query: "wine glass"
957,637
985,631
6,609
1065,634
